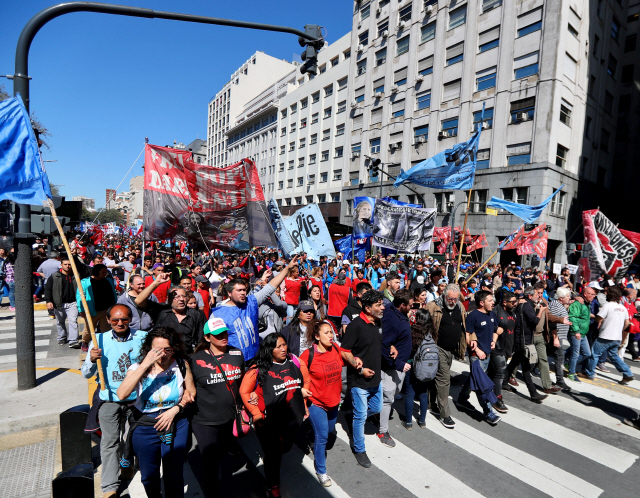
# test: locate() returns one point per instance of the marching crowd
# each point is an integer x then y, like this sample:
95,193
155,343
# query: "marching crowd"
213,345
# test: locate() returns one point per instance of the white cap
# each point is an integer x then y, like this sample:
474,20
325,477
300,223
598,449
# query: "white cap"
594,285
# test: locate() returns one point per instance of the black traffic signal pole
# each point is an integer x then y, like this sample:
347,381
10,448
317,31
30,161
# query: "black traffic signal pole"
25,339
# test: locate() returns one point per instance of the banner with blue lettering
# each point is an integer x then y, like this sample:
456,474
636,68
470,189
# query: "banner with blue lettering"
309,233
285,243
361,247
452,169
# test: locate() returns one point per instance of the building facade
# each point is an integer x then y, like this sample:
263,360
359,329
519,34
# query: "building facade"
87,202
110,198
136,198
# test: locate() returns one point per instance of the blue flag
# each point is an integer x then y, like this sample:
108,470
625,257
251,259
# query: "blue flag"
528,213
22,177
452,169
277,223
361,247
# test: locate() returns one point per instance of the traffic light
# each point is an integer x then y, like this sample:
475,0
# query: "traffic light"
67,211
6,216
456,237
312,47
374,168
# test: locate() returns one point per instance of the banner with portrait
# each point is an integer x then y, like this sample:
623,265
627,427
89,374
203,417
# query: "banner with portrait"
403,228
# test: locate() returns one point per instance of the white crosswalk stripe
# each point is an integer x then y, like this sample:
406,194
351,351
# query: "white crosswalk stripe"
42,331
12,335
12,358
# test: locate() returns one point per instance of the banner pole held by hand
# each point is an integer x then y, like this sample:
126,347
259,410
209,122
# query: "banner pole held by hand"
464,230
481,266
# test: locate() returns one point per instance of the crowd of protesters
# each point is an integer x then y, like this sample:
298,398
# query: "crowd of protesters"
207,343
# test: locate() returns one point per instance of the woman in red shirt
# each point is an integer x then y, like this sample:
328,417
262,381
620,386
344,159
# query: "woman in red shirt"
292,285
324,362
316,279
339,292
359,278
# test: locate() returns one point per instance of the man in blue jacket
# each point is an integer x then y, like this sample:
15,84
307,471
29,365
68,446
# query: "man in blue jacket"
396,349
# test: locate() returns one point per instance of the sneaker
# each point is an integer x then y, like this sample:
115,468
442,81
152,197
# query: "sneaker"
553,390
324,479
563,386
465,405
274,492
363,459
536,397
448,422
12,308
584,376
407,425
602,367
635,359
573,377
62,342
386,439
513,381
492,418
74,345
500,406
422,425
625,380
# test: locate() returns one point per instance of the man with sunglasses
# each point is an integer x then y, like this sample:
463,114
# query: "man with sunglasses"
118,349
506,314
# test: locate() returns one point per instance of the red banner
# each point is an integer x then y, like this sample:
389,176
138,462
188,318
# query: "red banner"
478,243
535,241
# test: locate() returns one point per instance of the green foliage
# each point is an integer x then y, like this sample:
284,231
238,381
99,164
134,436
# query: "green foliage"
110,215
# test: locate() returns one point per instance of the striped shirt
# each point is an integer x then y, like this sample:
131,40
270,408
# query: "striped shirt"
557,308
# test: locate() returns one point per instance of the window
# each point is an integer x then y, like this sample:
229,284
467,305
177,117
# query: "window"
397,109
402,45
405,14
489,39
314,118
294,108
326,134
357,122
302,143
290,165
383,26
630,43
615,30
361,67
292,129
561,156
327,113
395,142
365,12
381,57
425,66
335,61
375,146
298,200
283,113
479,200
290,183
342,106
557,203
451,127
314,139
444,202
304,103
303,123
335,197
627,74
337,174
281,167
340,130
587,128
605,136
363,38
322,198
612,66
312,159
347,54
484,156
354,178
282,151
315,97
487,118
516,194
323,177
342,84
283,131
458,17
311,179
378,86
359,97
565,112
280,184
529,22
490,4
300,181
451,91
520,108
526,65
325,155
573,31
421,132
400,77
328,91
423,100
608,102
455,54
309,199
518,154
570,67
292,146
486,79
428,32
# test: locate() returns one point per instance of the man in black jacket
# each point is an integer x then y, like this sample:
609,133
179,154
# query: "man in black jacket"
60,295
396,332
505,312
354,306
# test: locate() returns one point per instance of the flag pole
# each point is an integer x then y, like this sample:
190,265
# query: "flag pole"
482,266
464,229
85,306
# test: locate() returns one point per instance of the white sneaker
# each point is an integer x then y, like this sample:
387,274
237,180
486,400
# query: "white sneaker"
324,479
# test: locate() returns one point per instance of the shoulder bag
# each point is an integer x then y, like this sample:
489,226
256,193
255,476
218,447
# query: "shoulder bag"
242,422
530,352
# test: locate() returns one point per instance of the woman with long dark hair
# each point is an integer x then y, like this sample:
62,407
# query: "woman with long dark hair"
295,332
164,384
421,326
281,383
315,296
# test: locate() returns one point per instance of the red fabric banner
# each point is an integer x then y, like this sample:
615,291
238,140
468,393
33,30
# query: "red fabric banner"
478,243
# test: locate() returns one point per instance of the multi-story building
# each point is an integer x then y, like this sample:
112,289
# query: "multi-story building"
421,72
311,150
110,199
121,203
250,79
87,202
136,198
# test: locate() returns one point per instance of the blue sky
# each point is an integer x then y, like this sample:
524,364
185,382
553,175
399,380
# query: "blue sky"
102,83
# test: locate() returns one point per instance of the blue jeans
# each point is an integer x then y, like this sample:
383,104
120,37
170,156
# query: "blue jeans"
580,351
151,451
12,294
601,346
411,388
466,388
366,402
323,423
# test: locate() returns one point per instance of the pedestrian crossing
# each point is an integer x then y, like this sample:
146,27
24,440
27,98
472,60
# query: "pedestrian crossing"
43,336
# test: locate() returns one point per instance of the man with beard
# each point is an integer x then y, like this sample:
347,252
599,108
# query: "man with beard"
505,312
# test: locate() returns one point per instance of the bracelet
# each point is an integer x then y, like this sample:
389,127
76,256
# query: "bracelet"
180,409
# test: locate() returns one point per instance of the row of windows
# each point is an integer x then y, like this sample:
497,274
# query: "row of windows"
253,128
321,199
311,179
315,97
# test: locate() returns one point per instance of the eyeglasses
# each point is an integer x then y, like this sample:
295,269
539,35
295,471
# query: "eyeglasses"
307,311
123,320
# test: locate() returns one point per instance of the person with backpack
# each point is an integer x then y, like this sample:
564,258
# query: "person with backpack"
396,333
418,277
324,363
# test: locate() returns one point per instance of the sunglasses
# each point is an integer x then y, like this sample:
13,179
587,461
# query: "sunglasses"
123,320
307,311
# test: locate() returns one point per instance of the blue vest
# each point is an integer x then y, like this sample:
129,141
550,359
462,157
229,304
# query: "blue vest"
117,357
243,326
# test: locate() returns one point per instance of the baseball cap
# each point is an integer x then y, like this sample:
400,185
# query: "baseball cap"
306,305
436,263
443,281
200,278
595,285
215,326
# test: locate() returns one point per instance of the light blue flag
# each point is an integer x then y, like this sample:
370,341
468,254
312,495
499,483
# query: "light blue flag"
523,211
452,169
309,233
277,223
22,176
361,247
400,203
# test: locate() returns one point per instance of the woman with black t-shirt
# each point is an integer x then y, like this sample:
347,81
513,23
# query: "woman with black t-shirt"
281,383
217,370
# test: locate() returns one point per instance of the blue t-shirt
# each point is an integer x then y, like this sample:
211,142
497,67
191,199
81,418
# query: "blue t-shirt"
242,323
483,325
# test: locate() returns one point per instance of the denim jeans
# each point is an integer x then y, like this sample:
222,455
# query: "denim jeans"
323,423
411,388
366,402
580,351
466,388
12,294
610,347
498,370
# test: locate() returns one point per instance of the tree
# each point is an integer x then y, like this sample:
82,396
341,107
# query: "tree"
87,215
40,130
110,215
55,189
